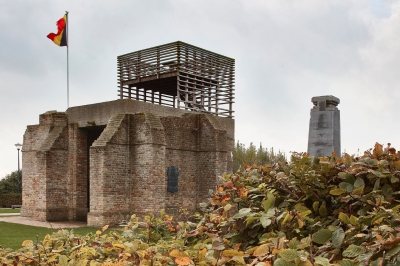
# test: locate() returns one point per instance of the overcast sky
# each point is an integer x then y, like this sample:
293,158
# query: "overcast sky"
286,52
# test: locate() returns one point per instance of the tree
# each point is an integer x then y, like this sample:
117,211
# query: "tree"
252,155
9,183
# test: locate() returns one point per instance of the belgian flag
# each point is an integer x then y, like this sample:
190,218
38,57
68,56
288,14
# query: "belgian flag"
60,38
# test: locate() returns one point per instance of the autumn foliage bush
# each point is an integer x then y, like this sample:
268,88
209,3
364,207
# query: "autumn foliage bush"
312,211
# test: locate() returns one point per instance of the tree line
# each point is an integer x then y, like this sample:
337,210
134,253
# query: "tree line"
253,155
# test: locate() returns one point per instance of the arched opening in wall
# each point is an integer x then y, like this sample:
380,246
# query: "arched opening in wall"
93,133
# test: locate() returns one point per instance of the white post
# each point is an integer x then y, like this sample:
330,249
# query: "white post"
66,13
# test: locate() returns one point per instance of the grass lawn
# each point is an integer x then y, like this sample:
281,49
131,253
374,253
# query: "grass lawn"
8,210
12,235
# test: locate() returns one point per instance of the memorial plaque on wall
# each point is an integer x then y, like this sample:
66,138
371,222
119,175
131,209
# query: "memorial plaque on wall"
173,174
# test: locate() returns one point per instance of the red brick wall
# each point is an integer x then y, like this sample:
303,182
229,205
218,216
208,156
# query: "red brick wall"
45,158
109,182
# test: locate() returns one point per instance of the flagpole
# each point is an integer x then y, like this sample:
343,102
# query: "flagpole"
66,13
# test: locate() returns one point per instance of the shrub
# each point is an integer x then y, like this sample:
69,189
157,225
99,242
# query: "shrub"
313,211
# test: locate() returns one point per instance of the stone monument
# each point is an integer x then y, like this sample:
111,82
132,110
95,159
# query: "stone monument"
324,130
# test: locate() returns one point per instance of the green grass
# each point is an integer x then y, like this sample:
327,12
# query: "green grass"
8,210
12,235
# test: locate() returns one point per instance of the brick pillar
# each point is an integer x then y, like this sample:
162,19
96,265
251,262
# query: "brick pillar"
110,174
148,150
45,160
127,169
77,173
324,132
212,156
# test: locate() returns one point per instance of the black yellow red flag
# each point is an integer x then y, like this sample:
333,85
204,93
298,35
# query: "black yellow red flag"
60,38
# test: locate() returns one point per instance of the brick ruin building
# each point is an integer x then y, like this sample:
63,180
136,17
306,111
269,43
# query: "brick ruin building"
162,145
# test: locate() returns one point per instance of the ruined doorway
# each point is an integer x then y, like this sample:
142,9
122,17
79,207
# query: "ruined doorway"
93,133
